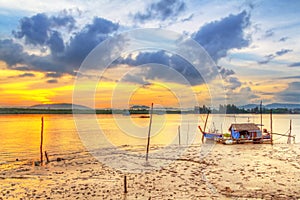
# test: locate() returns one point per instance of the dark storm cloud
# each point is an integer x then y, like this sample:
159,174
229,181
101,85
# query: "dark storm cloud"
56,43
233,83
270,57
37,29
296,64
291,94
220,36
161,10
146,57
64,57
217,38
163,58
225,72
11,53
88,38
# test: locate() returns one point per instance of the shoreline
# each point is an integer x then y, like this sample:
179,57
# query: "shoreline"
228,171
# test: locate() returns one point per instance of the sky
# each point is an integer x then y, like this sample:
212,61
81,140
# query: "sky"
254,45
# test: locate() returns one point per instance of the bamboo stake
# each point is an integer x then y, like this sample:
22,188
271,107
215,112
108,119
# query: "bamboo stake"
41,145
150,123
206,121
261,116
289,137
125,184
179,135
271,126
47,158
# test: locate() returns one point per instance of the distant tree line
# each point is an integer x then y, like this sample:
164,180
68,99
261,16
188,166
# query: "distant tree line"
223,109
233,109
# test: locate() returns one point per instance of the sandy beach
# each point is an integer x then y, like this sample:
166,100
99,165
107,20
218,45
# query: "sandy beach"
249,171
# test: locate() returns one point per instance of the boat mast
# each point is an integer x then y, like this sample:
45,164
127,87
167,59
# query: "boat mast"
261,116
206,120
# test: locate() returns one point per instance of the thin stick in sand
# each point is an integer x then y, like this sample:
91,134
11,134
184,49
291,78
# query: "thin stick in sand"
179,135
149,132
271,126
41,145
290,132
125,184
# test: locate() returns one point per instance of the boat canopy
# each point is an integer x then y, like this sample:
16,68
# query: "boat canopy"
250,127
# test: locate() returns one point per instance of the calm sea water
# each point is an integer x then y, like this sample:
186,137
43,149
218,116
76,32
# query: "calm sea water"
20,134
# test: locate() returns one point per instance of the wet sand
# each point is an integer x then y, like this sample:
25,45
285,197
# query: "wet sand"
249,171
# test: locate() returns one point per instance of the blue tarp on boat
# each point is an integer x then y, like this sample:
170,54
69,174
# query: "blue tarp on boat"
235,134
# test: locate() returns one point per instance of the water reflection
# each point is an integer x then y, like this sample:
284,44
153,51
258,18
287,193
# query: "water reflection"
20,134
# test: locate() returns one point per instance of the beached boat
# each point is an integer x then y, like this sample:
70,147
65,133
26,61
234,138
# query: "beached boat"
247,132
208,135
239,133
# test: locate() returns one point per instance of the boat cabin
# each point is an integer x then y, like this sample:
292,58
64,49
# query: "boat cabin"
245,131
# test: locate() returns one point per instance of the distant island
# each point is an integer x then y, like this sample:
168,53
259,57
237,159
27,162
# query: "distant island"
60,106
67,108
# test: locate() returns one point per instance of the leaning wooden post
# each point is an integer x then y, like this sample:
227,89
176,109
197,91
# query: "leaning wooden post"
179,135
125,184
47,158
41,145
271,126
206,121
149,132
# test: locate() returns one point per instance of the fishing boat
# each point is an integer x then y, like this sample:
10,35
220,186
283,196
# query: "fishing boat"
210,136
239,133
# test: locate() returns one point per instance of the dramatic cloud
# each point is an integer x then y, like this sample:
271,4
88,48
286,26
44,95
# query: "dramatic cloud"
270,57
291,94
161,10
65,57
163,58
225,72
56,43
87,39
233,83
11,53
219,37
243,94
37,29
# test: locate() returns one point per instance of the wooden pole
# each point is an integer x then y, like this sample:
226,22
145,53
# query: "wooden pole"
125,184
179,135
261,116
289,137
206,121
47,158
271,126
41,145
150,123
